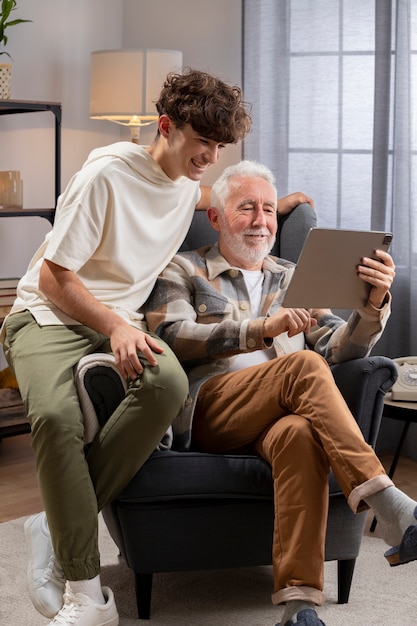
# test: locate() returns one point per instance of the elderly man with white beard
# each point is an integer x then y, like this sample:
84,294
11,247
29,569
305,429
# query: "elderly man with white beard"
256,388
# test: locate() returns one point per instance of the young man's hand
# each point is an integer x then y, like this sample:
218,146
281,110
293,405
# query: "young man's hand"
126,341
288,203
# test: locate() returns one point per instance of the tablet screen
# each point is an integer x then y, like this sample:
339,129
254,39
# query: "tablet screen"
326,274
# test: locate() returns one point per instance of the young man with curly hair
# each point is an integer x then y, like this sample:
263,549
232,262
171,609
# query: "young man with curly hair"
118,223
120,220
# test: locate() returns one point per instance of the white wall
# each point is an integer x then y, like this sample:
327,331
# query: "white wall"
208,33
51,61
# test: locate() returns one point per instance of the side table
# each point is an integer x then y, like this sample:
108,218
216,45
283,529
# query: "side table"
405,412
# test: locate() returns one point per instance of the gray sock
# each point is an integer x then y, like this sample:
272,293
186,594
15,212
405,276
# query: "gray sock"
395,512
292,608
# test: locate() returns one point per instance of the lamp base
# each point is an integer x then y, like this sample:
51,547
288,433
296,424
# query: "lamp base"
134,134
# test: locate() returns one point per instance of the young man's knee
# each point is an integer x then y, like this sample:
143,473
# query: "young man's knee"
168,374
167,383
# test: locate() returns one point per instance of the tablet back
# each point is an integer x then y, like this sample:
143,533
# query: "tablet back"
326,276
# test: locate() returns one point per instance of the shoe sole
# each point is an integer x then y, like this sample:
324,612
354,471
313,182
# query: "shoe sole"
43,610
406,552
394,559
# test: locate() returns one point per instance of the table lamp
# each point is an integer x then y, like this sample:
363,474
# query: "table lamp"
125,84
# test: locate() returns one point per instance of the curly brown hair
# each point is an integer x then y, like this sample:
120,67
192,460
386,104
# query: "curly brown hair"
214,109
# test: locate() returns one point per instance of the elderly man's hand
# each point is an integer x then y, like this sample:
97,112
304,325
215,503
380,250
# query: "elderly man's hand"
380,274
292,321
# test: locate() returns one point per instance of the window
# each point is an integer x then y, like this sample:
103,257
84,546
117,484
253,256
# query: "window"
333,85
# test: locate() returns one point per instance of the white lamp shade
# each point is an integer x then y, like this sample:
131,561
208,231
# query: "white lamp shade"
125,84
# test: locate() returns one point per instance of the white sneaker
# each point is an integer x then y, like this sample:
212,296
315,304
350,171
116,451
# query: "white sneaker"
81,610
45,578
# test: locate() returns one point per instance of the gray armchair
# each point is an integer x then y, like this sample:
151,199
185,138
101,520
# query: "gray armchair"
192,511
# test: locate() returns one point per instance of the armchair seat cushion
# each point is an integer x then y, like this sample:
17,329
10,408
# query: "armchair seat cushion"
169,475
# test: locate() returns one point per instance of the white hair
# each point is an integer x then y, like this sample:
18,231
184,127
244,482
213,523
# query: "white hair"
251,169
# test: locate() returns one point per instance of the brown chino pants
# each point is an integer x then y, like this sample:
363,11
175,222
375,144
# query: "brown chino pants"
290,412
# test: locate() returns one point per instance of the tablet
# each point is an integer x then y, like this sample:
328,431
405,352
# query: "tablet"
326,276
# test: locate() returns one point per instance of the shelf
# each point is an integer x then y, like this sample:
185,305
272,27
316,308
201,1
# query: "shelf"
8,107
48,214
11,107
13,420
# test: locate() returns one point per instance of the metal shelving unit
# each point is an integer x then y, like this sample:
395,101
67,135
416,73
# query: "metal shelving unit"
13,420
13,107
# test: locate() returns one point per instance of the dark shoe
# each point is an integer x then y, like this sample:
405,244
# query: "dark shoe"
406,551
306,617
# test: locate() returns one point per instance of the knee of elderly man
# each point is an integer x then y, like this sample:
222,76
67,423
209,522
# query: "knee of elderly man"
292,439
306,360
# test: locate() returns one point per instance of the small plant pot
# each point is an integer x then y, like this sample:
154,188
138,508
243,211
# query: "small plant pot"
5,81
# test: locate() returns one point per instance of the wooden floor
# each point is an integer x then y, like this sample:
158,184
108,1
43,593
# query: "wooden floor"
19,493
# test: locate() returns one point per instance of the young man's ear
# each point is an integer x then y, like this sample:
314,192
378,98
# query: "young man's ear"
164,125
213,215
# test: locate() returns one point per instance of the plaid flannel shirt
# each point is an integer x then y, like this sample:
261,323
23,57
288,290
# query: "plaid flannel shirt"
200,306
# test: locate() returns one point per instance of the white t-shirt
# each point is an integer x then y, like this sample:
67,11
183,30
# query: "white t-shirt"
254,280
118,223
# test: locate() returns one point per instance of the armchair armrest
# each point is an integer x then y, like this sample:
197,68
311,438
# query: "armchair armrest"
363,384
292,231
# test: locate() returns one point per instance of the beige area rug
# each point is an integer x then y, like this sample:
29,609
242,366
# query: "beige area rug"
380,596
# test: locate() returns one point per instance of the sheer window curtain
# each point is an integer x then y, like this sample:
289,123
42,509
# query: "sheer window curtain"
333,86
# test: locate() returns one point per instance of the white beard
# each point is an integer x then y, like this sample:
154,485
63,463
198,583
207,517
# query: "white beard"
254,253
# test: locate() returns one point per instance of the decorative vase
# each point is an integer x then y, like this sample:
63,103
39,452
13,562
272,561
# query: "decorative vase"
5,81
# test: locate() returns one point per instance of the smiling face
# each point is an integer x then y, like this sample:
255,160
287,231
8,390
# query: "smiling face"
182,151
248,225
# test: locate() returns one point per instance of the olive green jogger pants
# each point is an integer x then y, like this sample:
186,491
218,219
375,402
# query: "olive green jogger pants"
76,483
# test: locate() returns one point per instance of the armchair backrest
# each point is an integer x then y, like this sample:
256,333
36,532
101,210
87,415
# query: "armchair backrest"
292,231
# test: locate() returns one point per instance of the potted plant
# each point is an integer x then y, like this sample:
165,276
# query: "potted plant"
7,6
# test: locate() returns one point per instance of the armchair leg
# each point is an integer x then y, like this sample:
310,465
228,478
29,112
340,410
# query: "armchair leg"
143,586
344,579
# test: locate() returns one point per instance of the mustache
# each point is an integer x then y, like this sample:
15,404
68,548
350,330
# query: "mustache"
258,231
